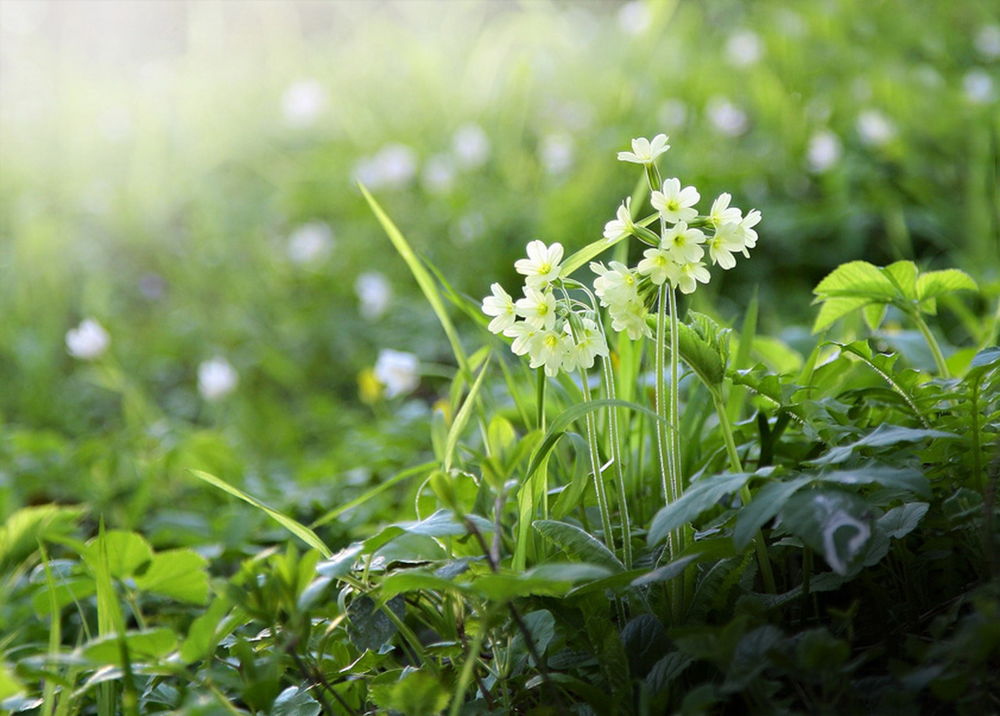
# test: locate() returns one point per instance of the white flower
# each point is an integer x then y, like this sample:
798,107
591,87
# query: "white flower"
501,306
310,242
557,153
743,48
721,213
645,151
657,265
824,150
747,233
438,175
542,265
617,285
216,378
303,102
674,203
537,308
374,293
978,86
87,341
588,343
469,228
726,117
524,334
720,249
988,41
684,244
397,371
621,225
672,113
687,276
549,350
630,318
471,146
634,17
397,164
874,128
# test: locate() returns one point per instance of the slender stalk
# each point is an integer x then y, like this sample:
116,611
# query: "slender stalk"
616,456
595,466
932,343
737,466
663,441
675,411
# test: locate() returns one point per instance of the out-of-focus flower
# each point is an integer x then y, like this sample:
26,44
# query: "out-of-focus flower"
988,41
743,48
471,146
726,117
824,151
438,175
542,265
303,102
374,294
469,228
645,151
397,371
394,166
216,378
369,387
672,113
634,17
874,128
88,340
978,86
557,153
310,242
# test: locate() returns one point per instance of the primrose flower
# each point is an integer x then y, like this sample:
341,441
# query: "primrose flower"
675,204
524,335
588,343
684,244
721,213
537,308
549,350
721,250
621,225
630,318
216,378
657,265
471,146
616,285
645,151
501,306
87,341
303,102
747,233
686,277
542,265
397,371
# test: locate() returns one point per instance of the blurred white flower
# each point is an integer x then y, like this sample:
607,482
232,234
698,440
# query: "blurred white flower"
438,175
471,146
303,102
824,151
634,17
216,378
116,123
726,117
87,341
397,371
672,113
988,41
557,153
374,294
310,242
743,48
469,228
393,166
978,86
874,128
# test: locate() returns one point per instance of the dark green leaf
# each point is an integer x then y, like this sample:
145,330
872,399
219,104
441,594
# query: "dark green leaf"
578,543
900,521
833,523
699,497
766,503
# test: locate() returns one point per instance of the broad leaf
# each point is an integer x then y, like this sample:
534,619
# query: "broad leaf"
900,521
578,543
882,436
834,523
142,645
127,552
857,279
178,573
699,497
938,283
766,503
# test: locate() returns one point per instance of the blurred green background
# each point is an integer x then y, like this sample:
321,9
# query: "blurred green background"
185,174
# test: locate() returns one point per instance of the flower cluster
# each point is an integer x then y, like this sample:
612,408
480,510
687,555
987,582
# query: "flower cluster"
551,331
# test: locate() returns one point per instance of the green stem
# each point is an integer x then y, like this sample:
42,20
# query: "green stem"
942,367
675,412
663,442
595,466
616,456
737,466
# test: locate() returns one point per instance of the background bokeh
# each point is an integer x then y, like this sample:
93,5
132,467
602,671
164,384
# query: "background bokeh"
186,174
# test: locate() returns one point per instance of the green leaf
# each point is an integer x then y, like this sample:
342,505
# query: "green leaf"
666,670
666,572
594,249
296,528
127,553
142,645
295,701
462,418
552,580
903,275
857,279
369,627
750,657
178,573
882,436
699,497
203,635
900,521
874,314
833,523
64,591
938,283
415,692
337,511
766,503
578,543
25,528
906,478
833,309
413,580
9,685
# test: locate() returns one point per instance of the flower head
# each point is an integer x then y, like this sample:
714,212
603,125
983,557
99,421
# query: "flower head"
684,244
587,343
615,285
397,371
374,293
657,264
645,151
549,349
87,341
721,213
622,224
542,265
216,378
501,306
688,276
537,308
675,204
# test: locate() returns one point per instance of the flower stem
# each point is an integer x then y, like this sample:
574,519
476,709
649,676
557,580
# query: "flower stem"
664,444
595,466
736,466
932,343
616,456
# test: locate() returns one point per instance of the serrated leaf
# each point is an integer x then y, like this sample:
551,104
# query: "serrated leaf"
900,521
833,523
904,275
127,552
835,308
578,543
938,283
858,279
369,627
178,573
699,497
874,314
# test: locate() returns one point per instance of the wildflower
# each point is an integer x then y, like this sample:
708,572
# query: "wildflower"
374,293
616,285
721,213
726,117
675,204
303,102
634,17
684,244
588,343
397,371
537,308
542,265
621,225
524,334
988,41
501,306
686,277
743,48
874,128
645,151
978,86
657,265
824,151
630,318
396,164
549,350
557,153
720,249
310,242
438,175
672,113
471,146
216,378
88,340
747,233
